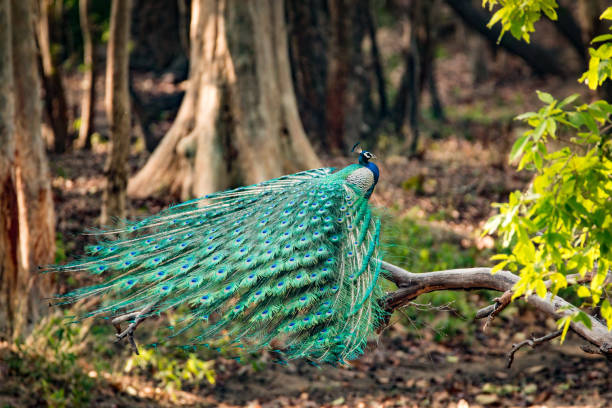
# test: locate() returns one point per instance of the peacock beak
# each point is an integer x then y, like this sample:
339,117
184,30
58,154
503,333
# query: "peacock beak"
373,157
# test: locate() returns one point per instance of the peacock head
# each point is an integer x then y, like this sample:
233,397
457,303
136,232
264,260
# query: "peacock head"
364,155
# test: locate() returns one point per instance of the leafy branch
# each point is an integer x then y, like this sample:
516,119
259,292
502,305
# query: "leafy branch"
561,226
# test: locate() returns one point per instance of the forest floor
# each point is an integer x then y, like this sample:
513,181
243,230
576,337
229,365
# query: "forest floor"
435,357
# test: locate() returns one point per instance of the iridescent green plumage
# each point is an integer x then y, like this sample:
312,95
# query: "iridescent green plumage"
293,259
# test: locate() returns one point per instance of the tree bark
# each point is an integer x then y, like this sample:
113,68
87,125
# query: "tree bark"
308,32
377,64
156,34
348,86
418,40
118,111
238,122
55,98
26,221
88,86
8,199
338,75
407,103
567,25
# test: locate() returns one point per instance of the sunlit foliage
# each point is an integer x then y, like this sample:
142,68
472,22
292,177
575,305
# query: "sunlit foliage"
562,224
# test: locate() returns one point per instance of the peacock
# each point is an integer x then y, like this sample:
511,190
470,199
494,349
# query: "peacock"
294,260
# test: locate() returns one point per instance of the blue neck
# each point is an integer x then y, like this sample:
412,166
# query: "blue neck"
374,169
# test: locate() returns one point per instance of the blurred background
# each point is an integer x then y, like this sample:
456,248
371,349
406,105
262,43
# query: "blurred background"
123,107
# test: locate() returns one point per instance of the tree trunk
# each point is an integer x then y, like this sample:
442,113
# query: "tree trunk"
338,74
407,102
567,25
8,199
348,85
238,122
88,86
27,220
412,77
377,64
118,111
308,32
156,34
419,40
55,99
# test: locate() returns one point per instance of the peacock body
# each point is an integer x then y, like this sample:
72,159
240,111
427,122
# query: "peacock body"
293,259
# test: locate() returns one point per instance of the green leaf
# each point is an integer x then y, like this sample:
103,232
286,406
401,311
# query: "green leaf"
550,13
518,147
537,160
582,317
583,291
526,115
492,224
607,14
568,100
565,323
600,38
551,126
539,130
590,122
499,257
541,288
496,17
606,312
499,267
545,97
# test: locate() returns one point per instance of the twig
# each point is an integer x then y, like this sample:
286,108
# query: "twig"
532,342
429,307
139,317
500,304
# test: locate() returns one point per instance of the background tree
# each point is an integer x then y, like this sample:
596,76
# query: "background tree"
118,111
238,122
27,225
55,99
8,202
89,78
338,71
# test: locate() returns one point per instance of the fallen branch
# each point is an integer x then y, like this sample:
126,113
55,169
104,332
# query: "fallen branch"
411,285
532,342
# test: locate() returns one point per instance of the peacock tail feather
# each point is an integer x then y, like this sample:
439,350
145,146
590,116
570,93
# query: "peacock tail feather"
293,259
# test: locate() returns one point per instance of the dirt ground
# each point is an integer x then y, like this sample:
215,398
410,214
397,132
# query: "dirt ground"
400,371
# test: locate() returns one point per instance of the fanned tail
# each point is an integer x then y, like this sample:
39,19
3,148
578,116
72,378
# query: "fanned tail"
293,258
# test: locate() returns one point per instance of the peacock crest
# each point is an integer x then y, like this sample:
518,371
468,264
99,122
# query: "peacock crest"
293,259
